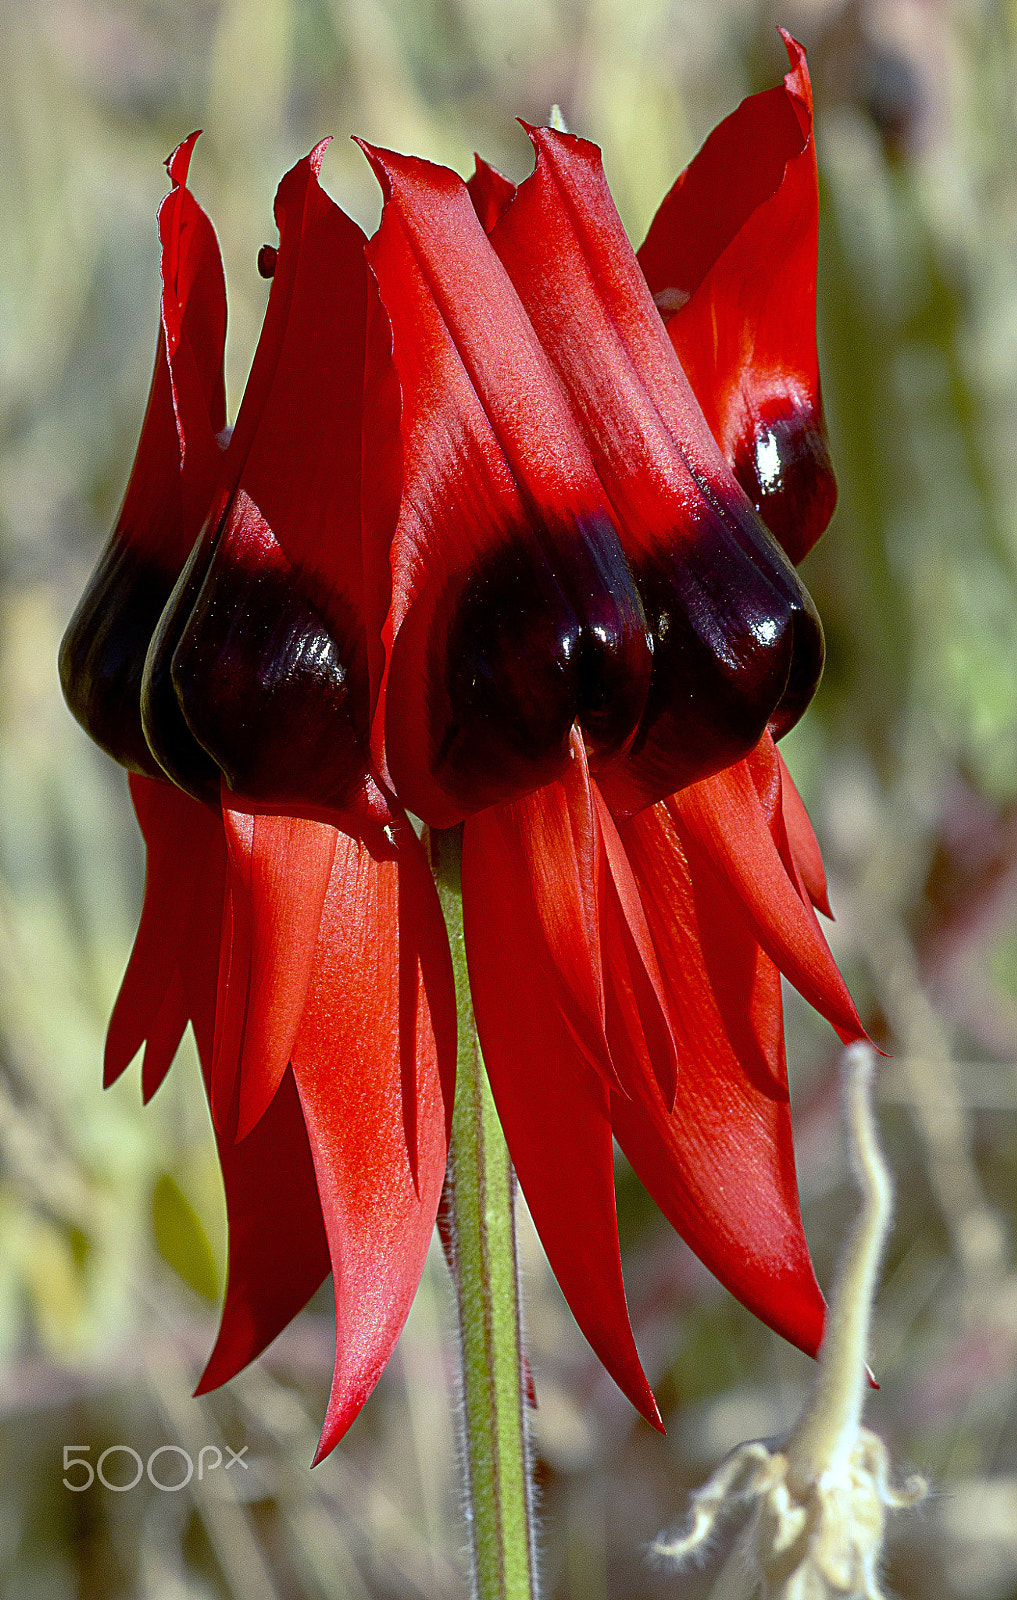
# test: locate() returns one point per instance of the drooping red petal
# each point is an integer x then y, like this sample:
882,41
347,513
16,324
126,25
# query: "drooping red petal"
731,260
553,1106
183,889
630,961
726,833
803,842
279,872
374,1063
735,636
278,1252
721,1164
512,611
491,192
171,486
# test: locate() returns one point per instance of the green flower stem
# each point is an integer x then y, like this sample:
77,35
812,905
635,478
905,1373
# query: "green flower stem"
479,1215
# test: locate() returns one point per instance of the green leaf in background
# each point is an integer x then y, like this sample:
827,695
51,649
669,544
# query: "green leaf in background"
181,1240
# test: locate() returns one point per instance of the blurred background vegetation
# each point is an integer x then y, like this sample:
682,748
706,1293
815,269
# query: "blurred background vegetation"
111,1226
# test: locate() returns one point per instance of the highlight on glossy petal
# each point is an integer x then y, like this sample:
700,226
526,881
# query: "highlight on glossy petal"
171,486
731,260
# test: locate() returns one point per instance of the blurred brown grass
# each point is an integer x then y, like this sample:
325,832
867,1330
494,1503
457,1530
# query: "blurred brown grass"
111,1229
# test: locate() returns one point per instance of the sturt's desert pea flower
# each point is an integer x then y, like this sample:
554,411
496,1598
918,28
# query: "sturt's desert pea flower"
482,551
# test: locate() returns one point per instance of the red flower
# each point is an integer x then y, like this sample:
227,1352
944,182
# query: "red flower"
588,624
473,544
299,930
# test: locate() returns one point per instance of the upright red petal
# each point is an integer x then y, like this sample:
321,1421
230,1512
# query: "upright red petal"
171,486
260,668
731,260
553,1106
374,1063
512,610
736,638
721,1164
490,191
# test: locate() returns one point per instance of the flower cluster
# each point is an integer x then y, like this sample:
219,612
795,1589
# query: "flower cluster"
503,538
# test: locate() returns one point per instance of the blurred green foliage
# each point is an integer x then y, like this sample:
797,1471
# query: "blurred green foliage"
111,1226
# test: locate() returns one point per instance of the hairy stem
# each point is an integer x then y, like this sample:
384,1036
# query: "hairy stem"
478,1211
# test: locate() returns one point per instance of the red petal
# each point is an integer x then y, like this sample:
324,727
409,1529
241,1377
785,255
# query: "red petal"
729,617
296,445
279,872
721,1166
287,558
491,193
632,967
803,842
553,1108
501,521
727,833
278,1253
374,1062
183,890
731,259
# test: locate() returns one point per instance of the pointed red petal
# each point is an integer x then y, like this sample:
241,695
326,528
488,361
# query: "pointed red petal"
280,868
631,961
735,634
721,1165
727,833
374,1062
183,841
505,565
278,1253
542,859
803,842
553,1107
491,193
731,259
296,445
